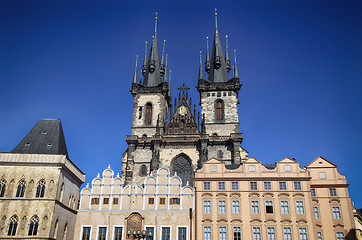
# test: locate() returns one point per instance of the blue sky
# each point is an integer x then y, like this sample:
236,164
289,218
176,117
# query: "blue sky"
299,63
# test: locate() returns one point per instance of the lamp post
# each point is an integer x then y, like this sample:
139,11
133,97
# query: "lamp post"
138,234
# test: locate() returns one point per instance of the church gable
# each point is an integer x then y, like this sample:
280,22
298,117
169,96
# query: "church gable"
321,162
183,121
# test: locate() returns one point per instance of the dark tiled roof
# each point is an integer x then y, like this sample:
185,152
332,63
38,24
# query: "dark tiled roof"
46,137
232,166
270,166
359,211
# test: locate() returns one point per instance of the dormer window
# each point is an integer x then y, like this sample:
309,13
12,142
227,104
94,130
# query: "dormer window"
148,114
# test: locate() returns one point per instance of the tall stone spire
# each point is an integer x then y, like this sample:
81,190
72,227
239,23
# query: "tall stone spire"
162,66
144,67
207,62
153,70
135,71
218,71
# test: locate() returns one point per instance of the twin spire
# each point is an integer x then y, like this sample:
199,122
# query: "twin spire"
217,66
153,69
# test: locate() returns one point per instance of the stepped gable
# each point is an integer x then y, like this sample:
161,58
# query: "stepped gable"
46,137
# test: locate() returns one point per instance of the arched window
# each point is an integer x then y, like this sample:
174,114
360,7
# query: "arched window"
21,188
148,113
219,110
13,225
143,170
2,187
40,189
33,227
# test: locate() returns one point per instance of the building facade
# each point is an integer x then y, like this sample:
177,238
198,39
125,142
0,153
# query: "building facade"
157,209
272,201
39,186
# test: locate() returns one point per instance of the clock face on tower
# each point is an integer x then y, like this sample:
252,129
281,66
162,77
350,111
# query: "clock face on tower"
182,110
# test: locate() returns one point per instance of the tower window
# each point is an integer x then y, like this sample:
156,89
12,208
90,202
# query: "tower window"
148,113
33,227
13,225
219,155
219,110
21,188
143,170
40,189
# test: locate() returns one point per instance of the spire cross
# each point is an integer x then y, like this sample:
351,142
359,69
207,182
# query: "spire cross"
183,89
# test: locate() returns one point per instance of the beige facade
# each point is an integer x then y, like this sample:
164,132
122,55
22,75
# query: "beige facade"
253,201
40,196
358,222
110,208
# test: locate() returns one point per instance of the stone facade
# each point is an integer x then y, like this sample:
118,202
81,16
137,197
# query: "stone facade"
253,201
161,203
54,212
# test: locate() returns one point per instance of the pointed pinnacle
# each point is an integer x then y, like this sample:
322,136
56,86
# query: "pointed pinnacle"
227,58
135,71
162,65
165,76
215,18
236,74
201,74
156,23
207,62
144,67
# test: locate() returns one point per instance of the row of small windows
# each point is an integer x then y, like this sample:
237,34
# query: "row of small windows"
151,200
269,208
270,231
148,233
33,226
267,186
21,186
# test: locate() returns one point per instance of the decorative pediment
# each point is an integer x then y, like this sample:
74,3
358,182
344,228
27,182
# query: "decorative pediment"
236,220
256,220
283,194
206,195
235,194
207,220
298,194
338,225
183,120
222,220
268,194
302,220
318,225
270,220
315,200
286,221
254,194
334,200
221,195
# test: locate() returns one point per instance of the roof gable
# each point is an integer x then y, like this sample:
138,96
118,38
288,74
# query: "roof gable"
288,160
321,162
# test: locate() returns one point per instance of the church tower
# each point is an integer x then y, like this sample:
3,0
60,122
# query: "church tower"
219,101
151,104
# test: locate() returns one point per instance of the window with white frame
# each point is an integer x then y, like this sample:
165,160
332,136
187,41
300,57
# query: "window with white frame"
340,235
322,175
207,186
269,207
150,232
284,206
207,233
86,233
234,186
235,206
297,186
207,206
102,233
222,233
271,233
237,233
299,207
221,185
255,207
313,192
267,186
253,186
118,233
166,233
333,192
316,212
251,168
181,233
303,235
287,232
256,233
283,186
222,206
287,168
319,236
336,213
